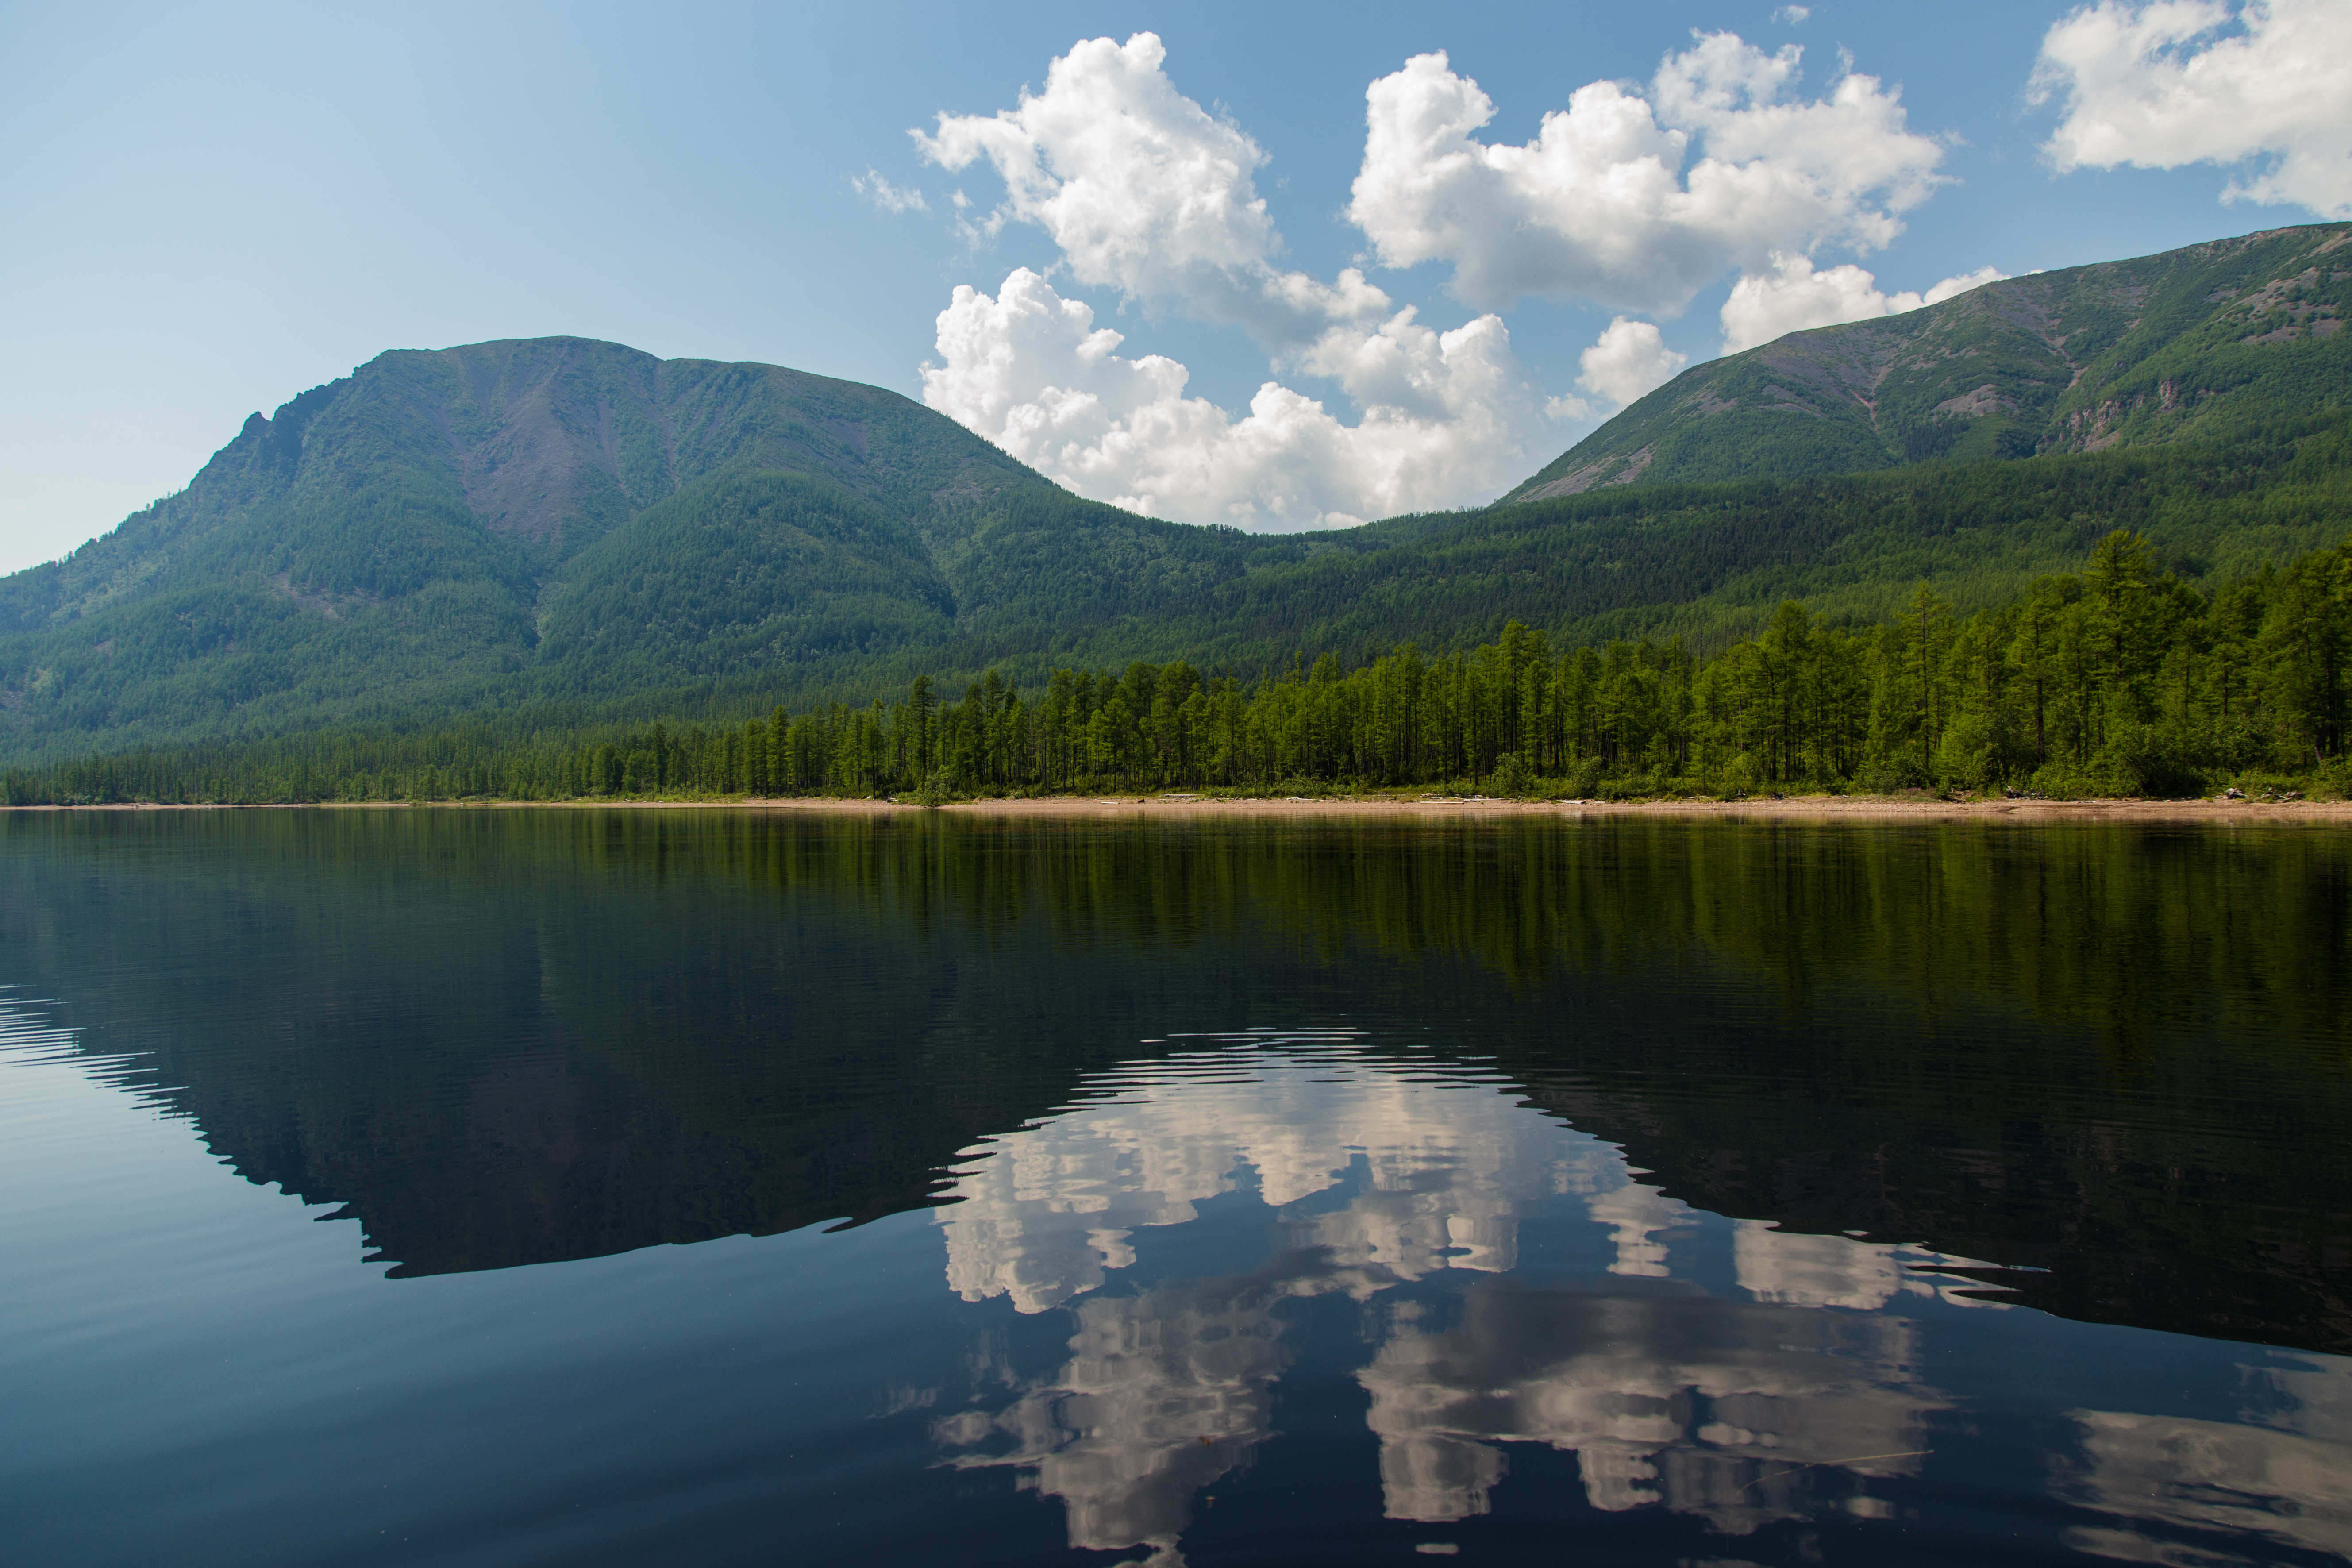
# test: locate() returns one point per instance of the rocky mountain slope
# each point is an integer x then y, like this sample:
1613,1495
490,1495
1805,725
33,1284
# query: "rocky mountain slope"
2195,343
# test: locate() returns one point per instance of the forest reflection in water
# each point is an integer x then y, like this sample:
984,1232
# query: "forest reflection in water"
1758,1190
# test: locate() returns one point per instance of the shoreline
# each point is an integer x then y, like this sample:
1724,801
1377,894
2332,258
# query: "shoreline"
1864,808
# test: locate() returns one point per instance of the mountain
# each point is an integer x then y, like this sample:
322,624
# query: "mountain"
552,518
562,532
2194,344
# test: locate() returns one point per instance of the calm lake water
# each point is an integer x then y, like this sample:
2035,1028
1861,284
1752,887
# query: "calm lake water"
560,1186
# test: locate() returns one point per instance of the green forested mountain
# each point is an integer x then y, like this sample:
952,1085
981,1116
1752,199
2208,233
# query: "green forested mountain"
557,534
2208,342
479,526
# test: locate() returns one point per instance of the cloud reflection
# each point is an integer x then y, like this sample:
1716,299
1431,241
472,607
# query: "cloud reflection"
1731,1410
1163,1393
1438,1169
1720,1369
2181,1490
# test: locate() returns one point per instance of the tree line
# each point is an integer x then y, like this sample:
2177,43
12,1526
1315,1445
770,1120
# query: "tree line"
2120,678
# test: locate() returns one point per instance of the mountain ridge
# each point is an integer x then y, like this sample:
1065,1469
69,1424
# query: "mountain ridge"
567,528
534,474
2049,363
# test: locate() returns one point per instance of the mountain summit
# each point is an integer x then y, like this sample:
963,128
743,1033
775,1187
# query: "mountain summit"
2197,344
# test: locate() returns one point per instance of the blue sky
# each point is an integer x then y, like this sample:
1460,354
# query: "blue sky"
209,213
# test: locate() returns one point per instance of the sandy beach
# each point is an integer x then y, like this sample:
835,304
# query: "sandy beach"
1807,807
1824,808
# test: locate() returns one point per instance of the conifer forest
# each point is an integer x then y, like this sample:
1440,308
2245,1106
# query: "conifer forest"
2118,678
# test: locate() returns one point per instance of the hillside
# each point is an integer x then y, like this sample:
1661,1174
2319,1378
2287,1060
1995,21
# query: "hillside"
560,516
567,533
2203,343
1706,563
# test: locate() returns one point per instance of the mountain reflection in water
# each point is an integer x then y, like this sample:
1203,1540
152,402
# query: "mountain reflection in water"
1688,1192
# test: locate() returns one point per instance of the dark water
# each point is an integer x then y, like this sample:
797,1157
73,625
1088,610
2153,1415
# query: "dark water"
719,1187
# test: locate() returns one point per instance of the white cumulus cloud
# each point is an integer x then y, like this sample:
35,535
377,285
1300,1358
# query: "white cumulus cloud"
1601,205
2162,85
1792,296
1447,416
1147,193
1630,360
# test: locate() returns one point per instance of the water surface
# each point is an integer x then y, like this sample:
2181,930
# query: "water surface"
724,1187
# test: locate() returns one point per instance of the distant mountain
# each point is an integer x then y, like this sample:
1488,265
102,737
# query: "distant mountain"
2205,342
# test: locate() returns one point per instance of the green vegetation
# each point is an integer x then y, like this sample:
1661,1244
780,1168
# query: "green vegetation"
2120,680
2207,343
397,545
751,588
537,539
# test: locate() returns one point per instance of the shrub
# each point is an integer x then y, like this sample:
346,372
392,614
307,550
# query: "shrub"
2066,781
1891,777
1511,779
2154,764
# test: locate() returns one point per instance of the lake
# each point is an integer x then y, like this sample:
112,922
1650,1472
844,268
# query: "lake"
497,1187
